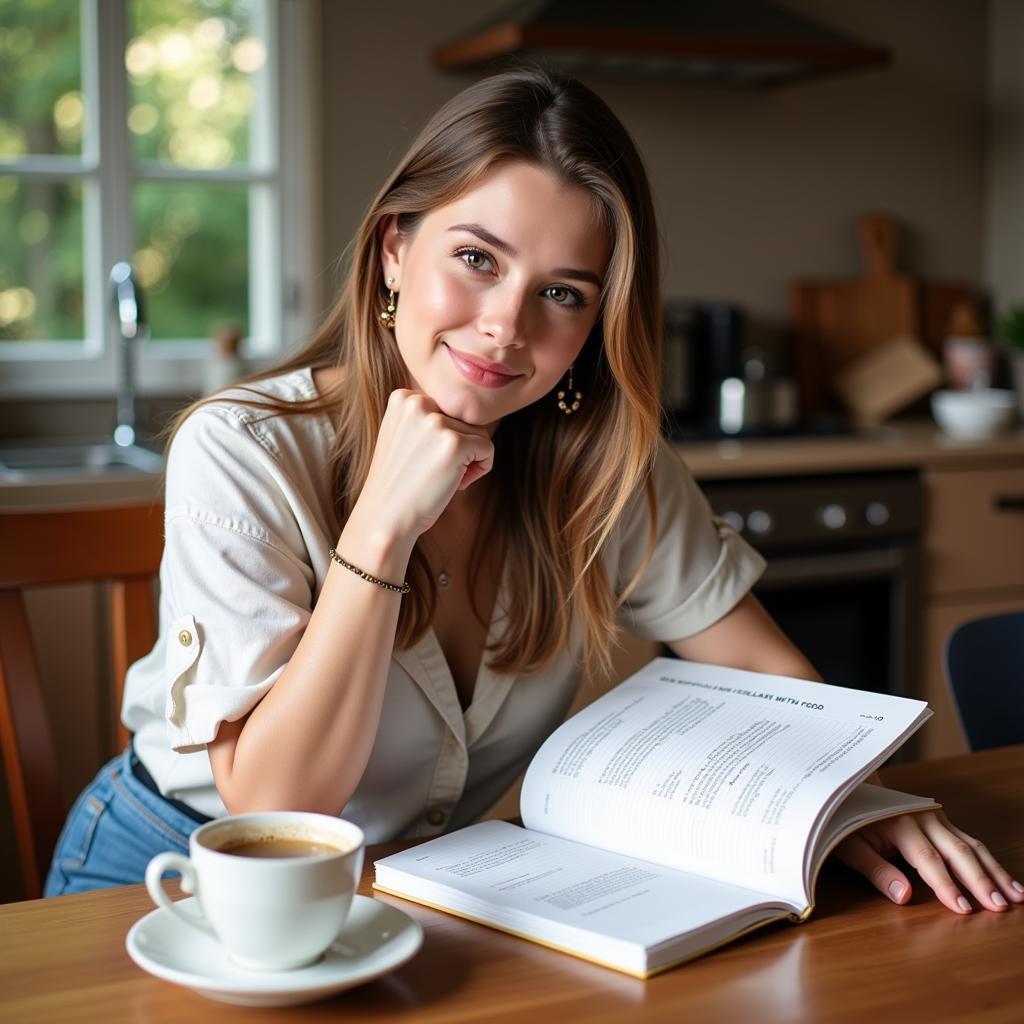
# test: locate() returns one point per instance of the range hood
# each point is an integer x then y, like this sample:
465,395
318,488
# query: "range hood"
741,43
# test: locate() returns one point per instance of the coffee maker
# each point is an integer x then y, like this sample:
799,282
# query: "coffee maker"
717,381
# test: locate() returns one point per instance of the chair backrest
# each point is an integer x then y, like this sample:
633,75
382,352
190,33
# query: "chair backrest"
121,544
984,666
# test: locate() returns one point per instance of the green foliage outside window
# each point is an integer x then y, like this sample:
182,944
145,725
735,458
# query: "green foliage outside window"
41,112
190,67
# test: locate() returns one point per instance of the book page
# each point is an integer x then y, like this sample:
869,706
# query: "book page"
711,770
590,901
866,803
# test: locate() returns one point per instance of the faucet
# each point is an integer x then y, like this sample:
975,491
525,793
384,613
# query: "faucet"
127,300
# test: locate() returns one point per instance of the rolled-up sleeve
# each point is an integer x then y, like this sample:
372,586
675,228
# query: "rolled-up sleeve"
236,586
700,567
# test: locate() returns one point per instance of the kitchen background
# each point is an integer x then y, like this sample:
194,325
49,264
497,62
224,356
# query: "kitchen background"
753,189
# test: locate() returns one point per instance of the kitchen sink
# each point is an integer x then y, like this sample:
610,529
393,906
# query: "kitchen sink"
46,461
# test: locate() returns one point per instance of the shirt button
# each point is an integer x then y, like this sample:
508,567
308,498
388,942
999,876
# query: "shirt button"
185,638
435,816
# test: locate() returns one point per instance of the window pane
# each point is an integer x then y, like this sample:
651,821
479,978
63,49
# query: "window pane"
191,68
192,259
40,261
41,106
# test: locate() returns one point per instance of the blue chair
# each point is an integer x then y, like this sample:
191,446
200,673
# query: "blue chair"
984,666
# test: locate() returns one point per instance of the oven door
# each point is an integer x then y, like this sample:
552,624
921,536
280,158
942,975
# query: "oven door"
851,612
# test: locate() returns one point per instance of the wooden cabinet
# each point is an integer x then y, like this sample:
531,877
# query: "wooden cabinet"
974,534
973,547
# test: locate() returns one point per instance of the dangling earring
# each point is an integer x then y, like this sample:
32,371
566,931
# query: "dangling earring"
574,395
387,316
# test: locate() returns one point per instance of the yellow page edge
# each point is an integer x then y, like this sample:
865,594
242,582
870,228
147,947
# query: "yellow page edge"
642,975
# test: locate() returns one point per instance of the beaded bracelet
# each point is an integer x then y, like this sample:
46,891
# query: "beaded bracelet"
403,589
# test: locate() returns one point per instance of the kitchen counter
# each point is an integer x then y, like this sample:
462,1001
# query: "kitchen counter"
905,444
901,445
101,489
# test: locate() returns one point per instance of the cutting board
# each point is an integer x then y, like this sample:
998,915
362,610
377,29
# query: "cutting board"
835,321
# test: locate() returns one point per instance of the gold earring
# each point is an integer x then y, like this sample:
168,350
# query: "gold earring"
387,316
576,397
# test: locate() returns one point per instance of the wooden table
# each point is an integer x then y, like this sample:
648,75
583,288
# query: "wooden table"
858,958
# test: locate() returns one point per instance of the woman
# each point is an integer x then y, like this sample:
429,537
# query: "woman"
387,559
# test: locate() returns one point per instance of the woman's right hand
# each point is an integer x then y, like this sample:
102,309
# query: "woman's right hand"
421,459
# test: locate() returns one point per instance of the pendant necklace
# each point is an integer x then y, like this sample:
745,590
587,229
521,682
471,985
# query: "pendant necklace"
442,577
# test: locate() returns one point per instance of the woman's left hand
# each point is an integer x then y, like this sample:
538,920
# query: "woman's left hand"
940,853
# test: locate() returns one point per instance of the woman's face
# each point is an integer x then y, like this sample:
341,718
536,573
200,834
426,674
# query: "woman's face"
498,291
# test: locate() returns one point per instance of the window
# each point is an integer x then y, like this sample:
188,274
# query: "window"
151,131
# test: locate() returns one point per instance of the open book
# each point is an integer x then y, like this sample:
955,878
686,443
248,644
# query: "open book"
680,810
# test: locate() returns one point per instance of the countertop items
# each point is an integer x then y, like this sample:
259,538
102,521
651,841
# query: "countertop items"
836,321
974,415
967,354
886,379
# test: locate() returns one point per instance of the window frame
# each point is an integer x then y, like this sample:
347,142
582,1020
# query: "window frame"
283,191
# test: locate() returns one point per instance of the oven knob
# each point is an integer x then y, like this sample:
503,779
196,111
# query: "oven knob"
877,513
832,517
734,519
760,522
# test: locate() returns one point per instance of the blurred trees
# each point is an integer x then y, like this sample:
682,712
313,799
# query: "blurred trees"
41,112
190,67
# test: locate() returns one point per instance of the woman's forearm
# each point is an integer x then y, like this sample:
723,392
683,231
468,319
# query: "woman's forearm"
306,744
747,638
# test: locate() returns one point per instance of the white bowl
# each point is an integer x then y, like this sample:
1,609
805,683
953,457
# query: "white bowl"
974,415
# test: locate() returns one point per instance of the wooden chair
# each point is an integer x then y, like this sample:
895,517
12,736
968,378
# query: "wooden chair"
121,544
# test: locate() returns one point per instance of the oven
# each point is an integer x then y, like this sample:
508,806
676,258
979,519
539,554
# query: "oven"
843,570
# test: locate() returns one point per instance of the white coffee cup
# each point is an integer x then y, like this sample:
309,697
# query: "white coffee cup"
270,913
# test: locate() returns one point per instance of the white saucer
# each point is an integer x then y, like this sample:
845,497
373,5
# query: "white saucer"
377,939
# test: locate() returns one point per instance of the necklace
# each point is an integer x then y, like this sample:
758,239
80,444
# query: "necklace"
442,577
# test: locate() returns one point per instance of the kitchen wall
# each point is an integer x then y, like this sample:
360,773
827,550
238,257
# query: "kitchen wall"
752,188
1004,249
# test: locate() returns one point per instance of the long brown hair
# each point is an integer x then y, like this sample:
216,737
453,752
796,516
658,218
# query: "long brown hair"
561,482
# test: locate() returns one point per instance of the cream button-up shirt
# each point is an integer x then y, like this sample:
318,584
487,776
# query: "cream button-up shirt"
249,522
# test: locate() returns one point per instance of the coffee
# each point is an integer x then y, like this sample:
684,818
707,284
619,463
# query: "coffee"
280,898
279,846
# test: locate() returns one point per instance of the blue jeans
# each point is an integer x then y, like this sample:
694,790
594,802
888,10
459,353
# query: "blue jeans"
115,828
